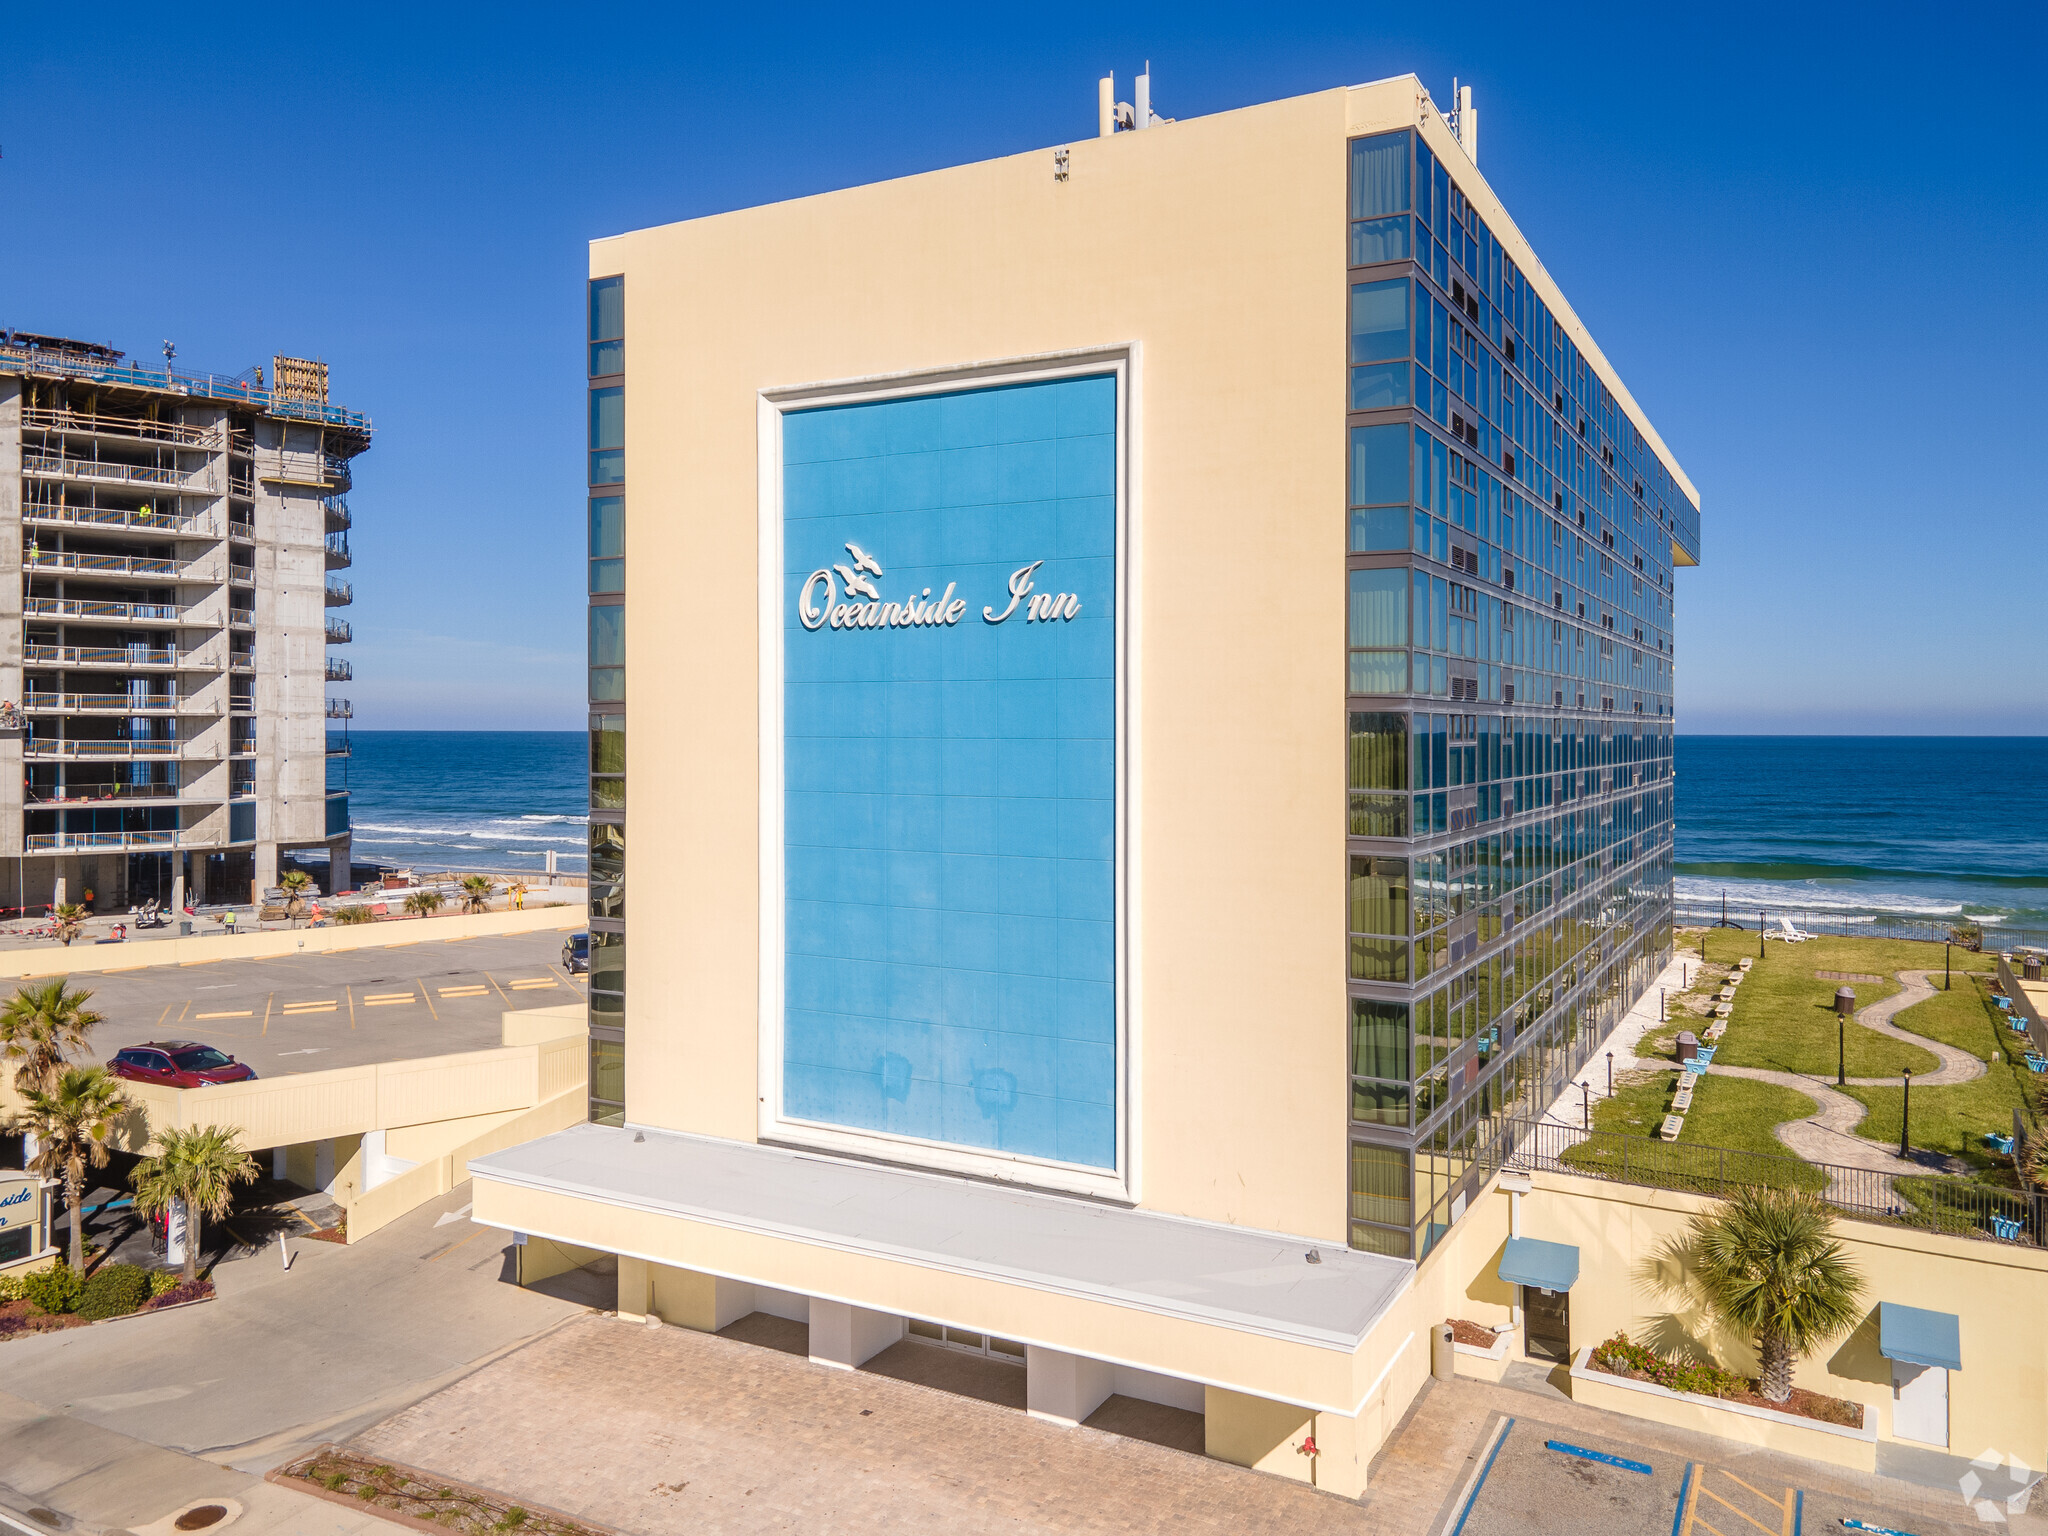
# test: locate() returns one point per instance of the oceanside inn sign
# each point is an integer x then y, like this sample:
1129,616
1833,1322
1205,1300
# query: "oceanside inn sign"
846,597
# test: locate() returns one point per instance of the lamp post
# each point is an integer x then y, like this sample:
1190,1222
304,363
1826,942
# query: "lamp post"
1906,1112
1944,964
1660,1005
1610,1074
1759,935
1586,1104
1845,1004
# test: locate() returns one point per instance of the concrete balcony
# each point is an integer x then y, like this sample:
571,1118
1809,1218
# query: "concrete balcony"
111,750
77,563
60,842
337,551
121,519
50,467
120,658
340,594
339,671
338,632
72,423
130,613
340,709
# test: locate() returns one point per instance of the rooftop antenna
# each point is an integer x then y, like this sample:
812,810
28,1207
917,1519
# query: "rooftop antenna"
170,351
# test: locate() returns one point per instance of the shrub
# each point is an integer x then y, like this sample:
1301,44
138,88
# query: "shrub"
10,1289
114,1290
181,1293
349,916
53,1290
161,1280
1619,1354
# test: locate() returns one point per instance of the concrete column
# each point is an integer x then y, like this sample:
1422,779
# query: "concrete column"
338,856
175,1230
198,879
848,1336
634,1289
177,897
1064,1388
689,1299
323,1164
280,1162
266,870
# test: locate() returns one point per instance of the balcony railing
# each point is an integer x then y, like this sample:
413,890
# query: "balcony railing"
242,663
340,709
40,842
101,748
115,565
338,632
337,512
116,517
244,618
238,529
94,608
205,386
99,794
117,656
340,594
122,426
339,671
337,551
100,469
100,703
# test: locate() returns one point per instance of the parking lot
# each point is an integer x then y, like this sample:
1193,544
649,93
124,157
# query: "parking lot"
1535,1477
306,1013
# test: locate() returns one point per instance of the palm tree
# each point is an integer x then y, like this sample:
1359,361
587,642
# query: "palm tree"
66,918
423,903
198,1169
38,1025
294,883
71,1121
1767,1262
476,893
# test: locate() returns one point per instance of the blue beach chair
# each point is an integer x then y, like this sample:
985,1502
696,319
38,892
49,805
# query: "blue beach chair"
2007,1227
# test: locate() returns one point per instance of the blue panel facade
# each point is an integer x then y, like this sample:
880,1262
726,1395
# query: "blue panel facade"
950,779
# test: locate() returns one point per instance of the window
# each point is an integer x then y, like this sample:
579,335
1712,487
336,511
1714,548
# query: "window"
1379,630
1380,1198
1379,336
607,543
607,876
608,435
607,326
1378,761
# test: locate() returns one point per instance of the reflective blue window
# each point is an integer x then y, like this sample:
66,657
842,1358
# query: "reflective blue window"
1379,175
607,436
1379,465
608,636
608,309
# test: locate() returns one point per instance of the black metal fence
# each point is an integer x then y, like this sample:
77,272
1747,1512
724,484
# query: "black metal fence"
1807,920
1933,1202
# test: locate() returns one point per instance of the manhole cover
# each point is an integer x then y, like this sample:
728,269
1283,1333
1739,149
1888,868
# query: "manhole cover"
199,1519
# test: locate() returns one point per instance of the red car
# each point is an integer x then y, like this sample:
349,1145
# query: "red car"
178,1064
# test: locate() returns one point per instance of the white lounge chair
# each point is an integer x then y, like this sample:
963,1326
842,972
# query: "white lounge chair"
1790,934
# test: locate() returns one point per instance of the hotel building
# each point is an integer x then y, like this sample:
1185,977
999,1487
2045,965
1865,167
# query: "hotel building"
165,662
1137,679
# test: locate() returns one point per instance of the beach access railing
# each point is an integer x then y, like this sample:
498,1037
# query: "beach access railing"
1933,1202
1931,930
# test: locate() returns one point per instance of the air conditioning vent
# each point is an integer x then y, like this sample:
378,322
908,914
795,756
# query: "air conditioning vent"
1507,464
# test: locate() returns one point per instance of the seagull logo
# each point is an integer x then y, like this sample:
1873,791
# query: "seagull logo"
851,577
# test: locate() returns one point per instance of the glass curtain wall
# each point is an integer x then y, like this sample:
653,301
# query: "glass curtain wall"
606,514
1513,534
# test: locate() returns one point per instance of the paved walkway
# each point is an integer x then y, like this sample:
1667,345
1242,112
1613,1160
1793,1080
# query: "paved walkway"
660,1430
1569,1107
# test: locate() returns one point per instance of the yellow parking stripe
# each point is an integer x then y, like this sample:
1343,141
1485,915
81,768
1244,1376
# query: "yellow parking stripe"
312,1007
462,991
398,1001
532,983
244,1014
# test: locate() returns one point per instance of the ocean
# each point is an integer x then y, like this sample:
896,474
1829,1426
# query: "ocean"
454,800
1860,830
1847,830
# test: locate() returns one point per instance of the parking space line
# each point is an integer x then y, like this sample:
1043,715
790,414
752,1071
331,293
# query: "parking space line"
534,983
267,1001
241,1014
1684,1493
162,1016
390,1000
350,994
494,983
462,991
325,1005
1472,1497
428,1001
184,1010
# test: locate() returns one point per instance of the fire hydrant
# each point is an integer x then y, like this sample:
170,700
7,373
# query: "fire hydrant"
1307,1446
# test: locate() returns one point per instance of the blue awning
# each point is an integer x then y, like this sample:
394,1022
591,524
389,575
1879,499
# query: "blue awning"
1919,1337
1547,1266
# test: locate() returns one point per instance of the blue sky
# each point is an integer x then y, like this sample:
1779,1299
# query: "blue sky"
1808,237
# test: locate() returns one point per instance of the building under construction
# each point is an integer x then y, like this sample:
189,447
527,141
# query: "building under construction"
164,660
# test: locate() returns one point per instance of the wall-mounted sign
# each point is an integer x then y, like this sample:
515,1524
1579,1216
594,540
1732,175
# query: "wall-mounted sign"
18,1205
819,605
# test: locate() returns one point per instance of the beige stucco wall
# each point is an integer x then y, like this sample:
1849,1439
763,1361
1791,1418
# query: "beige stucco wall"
1216,251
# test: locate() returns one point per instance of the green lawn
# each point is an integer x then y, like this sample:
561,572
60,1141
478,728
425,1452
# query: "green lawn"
1955,1120
1784,1015
1829,952
1727,1112
1961,1017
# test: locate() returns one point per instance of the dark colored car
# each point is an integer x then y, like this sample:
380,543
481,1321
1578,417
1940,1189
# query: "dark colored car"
178,1064
576,953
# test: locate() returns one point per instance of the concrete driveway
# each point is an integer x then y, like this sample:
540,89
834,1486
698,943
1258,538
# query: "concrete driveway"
283,1361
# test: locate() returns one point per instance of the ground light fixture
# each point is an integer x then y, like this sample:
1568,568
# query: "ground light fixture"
1906,1113
1845,1004
1759,935
1610,1074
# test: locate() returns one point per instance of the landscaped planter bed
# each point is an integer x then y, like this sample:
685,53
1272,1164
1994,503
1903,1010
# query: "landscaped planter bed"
19,1319
1478,1351
425,1501
1771,1428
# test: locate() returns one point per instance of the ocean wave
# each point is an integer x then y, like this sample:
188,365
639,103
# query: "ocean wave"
1803,870
523,820
572,840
